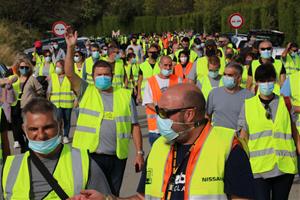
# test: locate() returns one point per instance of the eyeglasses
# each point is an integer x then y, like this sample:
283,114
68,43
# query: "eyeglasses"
268,112
267,48
24,67
152,51
165,114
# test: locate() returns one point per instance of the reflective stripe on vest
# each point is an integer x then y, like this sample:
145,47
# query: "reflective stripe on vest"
118,78
205,161
91,113
270,142
202,67
292,66
148,72
206,86
50,70
61,95
156,94
17,89
178,71
71,172
88,64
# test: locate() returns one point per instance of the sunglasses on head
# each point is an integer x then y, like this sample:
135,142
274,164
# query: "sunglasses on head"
24,67
267,48
165,114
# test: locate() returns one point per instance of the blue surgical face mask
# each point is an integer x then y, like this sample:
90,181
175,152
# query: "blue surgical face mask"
166,72
103,82
213,74
228,82
24,71
266,54
117,57
133,61
293,54
266,88
44,147
165,128
198,46
95,54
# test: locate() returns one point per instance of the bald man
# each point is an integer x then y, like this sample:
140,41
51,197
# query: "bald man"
265,50
155,87
192,160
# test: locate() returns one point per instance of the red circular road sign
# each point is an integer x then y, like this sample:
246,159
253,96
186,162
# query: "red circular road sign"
59,28
236,20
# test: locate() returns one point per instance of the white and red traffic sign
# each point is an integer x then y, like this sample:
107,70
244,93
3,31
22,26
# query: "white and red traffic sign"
59,28
236,20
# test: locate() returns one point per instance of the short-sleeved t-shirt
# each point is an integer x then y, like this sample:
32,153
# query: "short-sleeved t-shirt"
242,124
40,186
108,137
238,178
193,72
225,107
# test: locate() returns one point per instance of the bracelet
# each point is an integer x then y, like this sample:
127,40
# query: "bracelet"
141,152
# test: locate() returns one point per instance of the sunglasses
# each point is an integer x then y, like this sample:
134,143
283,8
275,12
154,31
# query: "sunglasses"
268,112
24,67
165,114
267,48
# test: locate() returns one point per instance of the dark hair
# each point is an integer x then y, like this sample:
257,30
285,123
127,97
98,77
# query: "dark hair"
81,54
185,39
214,60
40,105
130,55
197,41
183,52
101,63
94,45
294,45
265,72
236,66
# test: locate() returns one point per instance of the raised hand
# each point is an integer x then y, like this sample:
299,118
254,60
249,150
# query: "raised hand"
71,37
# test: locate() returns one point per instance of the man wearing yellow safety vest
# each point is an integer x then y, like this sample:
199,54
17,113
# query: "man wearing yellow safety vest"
49,170
61,95
265,50
155,87
89,62
213,79
148,68
107,118
291,59
114,58
271,133
200,66
192,160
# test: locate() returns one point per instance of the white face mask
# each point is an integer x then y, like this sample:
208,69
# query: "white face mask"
55,46
76,59
48,59
58,70
183,59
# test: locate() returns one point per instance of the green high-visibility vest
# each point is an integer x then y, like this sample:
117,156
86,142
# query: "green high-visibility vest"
88,67
270,143
119,74
148,71
295,93
206,86
202,67
61,95
209,162
192,58
17,89
71,172
91,113
292,66
50,71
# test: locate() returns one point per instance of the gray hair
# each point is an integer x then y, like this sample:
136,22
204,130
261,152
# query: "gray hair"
238,68
40,105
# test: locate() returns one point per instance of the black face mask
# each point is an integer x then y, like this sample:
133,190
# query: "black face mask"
154,56
229,55
39,51
210,52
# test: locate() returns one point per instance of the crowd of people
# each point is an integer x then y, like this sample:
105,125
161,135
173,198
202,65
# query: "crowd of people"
222,122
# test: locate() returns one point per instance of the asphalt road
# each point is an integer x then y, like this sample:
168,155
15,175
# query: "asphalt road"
131,179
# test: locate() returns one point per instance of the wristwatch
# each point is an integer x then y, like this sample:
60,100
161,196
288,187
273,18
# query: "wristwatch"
141,152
